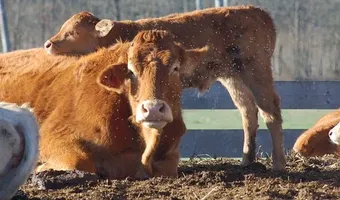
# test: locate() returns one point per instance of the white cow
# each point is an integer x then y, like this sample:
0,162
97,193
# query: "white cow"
334,134
19,147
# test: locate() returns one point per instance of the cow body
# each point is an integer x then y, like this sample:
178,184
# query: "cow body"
82,126
316,141
19,145
88,124
242,40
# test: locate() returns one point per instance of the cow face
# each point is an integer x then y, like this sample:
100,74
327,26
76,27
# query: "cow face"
334,134
152,77
78,35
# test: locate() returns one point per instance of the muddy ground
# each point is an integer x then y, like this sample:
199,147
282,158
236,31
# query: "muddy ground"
314,178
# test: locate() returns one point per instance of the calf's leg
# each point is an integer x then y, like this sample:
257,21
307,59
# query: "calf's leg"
244,101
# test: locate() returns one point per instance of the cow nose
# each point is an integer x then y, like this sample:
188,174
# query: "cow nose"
48,44
330,133
150,108
154,113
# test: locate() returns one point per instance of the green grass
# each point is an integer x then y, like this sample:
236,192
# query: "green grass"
231,119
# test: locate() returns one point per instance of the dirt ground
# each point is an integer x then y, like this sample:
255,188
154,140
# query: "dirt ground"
314,178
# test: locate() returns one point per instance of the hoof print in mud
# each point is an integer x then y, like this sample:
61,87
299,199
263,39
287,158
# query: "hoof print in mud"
256,167
60,179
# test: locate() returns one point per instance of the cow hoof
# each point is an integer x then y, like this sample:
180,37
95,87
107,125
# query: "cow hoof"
141,174
279,167
245,163
255,166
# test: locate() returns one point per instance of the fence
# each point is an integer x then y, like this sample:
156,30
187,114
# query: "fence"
215,126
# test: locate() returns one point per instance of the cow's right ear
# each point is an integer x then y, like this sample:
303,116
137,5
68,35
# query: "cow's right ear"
112,78
103,27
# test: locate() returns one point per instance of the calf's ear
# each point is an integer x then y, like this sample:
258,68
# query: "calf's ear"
103,27
191,58
112,78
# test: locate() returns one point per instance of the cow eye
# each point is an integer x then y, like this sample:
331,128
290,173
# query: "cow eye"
131,74
175,68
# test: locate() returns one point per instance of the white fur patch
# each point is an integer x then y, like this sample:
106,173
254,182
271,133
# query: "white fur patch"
334,134
131,67
11,117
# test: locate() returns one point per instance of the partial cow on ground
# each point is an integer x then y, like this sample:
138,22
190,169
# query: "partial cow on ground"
334,134
19,147
316,140
243,40
85,106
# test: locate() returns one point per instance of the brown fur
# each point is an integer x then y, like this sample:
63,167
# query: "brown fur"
85,126
315,141
82,125
243,40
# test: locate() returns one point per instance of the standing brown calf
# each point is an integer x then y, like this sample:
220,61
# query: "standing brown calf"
315,141
84,106
243,40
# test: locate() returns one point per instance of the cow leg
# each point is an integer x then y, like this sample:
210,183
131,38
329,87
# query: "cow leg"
260,81
244,101
61,149
151,139
67,159
169,164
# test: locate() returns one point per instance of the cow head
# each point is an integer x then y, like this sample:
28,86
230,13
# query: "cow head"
334,134
78,35
152,77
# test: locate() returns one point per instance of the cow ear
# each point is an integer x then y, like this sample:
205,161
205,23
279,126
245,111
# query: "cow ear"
191,58
112,78
103,27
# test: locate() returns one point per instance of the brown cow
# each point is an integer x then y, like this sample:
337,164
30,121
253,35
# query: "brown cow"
315,141
86,123
243,40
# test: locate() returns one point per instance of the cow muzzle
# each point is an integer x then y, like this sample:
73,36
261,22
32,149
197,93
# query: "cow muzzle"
153,114
50,48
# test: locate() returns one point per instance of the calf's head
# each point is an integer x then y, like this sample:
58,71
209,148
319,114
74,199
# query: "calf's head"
334,134
152,77
78,35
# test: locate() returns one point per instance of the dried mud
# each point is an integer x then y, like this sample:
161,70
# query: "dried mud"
314,178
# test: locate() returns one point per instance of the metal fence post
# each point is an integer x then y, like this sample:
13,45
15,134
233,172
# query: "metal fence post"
218,3
4,28
199,4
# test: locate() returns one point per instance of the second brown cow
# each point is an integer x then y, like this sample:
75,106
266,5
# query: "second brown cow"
316,141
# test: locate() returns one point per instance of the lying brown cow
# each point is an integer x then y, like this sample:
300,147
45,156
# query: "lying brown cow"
243,40
315,141
86,123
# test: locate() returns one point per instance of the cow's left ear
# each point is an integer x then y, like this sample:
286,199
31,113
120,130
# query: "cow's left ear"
112,78
191,58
